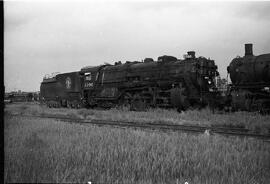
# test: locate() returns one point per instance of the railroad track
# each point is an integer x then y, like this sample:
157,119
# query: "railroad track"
228,131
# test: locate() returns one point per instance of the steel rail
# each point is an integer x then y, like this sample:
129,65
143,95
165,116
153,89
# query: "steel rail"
228,131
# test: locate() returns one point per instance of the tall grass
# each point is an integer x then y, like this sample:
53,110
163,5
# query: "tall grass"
38,150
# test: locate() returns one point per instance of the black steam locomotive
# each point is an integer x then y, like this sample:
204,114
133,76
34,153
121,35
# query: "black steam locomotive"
250,76
167,82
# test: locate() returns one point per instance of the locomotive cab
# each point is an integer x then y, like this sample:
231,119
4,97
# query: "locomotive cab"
89,76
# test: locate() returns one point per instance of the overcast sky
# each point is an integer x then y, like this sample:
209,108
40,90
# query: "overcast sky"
45,37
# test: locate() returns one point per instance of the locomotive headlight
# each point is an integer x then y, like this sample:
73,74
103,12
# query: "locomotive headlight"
209,82
206,77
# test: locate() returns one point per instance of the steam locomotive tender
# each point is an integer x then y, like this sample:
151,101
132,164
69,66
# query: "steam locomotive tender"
168,82
250,76
62,90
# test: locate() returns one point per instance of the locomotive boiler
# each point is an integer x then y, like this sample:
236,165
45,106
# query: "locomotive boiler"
167,82
250,76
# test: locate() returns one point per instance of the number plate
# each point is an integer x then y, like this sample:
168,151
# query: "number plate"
88,84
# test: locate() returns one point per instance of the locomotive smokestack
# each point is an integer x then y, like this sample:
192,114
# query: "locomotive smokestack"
248,49
191,53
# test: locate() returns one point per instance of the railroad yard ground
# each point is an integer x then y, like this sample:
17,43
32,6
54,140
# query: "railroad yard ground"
48,150
205,117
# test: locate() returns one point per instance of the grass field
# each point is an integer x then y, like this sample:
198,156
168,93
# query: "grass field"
255,122
42,150
46,150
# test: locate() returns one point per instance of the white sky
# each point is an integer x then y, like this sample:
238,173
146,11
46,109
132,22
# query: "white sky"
48,36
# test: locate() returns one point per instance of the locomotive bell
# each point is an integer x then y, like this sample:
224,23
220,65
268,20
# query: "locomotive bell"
248,49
